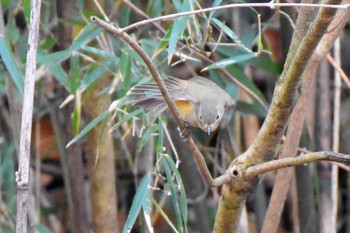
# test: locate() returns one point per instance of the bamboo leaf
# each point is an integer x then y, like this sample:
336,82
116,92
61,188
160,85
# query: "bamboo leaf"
183,199
173,191
89,32
231,60
179,27
226,30
145,137
126,118
11,65
87,128
140,198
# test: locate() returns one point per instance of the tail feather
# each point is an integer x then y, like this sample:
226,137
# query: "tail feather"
148,97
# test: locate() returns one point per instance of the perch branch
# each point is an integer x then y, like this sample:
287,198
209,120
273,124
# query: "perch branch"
155,74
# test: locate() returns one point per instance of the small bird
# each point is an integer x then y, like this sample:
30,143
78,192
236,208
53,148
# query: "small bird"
200,101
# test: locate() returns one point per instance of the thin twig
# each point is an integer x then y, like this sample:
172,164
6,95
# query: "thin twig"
335,138
155,74
245,5
22,175
273,165
337,67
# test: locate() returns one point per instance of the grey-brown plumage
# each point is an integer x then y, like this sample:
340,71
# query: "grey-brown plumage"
201,102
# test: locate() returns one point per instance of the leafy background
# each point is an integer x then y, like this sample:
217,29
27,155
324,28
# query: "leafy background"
83,75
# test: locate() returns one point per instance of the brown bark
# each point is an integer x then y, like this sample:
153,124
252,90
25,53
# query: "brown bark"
269,137
101,154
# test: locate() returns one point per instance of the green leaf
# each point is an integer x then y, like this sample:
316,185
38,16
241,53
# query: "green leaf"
177,4
87,128
226,30
164,215
179,27
141,198
26,10
164,42
267,64
145,137
159,147
124,15
238,72
183,199
99,52
60,75
251,108
55,58
10,63
231,60
125,70
215,4
127,117
154,8
89,32
75,71
94,75
173,191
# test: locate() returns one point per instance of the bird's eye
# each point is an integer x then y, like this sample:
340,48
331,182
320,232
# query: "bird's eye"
218,117
200,117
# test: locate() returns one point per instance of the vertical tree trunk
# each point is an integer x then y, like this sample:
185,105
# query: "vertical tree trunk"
101,156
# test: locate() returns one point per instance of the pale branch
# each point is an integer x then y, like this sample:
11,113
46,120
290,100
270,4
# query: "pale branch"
22,175
155,74
259,169
337,67
229,6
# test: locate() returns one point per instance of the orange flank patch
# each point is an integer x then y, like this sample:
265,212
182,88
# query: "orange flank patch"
184,106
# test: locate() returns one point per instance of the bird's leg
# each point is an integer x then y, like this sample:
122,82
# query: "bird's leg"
184,134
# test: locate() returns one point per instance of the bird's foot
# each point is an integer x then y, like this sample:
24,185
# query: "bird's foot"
185,133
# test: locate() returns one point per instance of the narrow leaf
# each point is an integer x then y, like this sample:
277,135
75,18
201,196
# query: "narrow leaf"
11,65
89,32
226,30
140,198
145,137
178,28
173,190
87,128
183,199
232,60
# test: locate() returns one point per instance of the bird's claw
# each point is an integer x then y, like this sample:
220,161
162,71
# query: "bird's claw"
184,134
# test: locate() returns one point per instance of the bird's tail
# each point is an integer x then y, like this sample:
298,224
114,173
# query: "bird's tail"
148,97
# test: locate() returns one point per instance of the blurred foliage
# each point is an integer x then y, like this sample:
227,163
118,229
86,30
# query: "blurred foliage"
95,55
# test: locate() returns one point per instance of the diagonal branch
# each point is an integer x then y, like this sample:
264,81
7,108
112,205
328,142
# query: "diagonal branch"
155,74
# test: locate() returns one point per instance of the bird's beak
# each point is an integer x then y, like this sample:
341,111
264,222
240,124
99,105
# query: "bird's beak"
209,130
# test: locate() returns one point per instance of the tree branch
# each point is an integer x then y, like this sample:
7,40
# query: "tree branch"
285,94
254,171
229,6
22,175
155,74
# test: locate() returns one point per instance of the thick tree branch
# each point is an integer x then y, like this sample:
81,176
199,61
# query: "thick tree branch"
286,92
